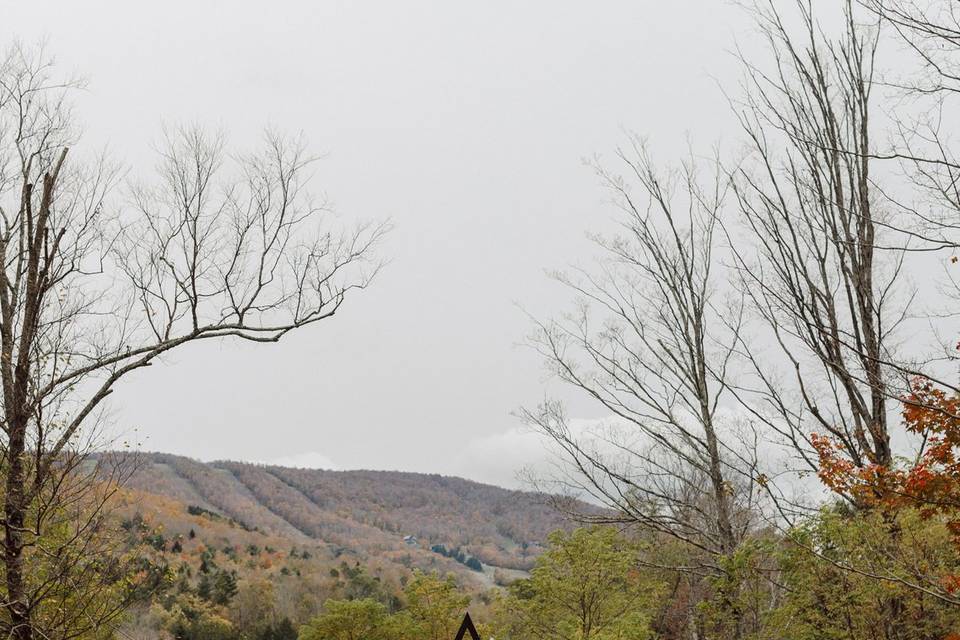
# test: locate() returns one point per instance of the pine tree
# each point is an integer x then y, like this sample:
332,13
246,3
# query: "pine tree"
224,588
204,588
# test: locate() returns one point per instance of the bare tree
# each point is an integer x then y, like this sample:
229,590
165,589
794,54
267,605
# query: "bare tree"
644,343
659,344
930,29
815,345
816,272
220,246
923,146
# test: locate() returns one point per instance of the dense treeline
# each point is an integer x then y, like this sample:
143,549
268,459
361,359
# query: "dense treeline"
592,582
211,578
366,511
209,574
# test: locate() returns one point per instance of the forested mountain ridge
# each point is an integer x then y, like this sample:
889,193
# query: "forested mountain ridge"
410,518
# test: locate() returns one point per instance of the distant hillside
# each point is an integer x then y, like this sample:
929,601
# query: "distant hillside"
416,520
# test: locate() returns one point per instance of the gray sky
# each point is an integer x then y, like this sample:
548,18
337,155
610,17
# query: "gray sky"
465,123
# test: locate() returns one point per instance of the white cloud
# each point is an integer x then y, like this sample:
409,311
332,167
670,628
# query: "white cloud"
509,458
500,458
506,459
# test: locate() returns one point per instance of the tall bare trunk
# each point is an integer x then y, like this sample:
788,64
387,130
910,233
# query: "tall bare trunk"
15,516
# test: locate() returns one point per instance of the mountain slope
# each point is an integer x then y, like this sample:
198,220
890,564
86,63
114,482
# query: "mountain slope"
367,514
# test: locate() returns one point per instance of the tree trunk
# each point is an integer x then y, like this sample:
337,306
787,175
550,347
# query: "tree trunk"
14,512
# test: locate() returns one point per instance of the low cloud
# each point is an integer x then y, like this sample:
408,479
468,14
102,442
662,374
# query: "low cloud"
512,458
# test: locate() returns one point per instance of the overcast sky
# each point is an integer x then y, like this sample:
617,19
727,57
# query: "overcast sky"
465,123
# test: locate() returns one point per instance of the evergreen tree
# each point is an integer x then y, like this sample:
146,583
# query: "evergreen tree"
204,588
224,587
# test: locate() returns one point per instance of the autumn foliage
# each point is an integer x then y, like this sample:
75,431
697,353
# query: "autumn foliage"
930,484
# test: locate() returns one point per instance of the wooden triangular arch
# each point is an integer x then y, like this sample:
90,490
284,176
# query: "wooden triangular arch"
467,627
